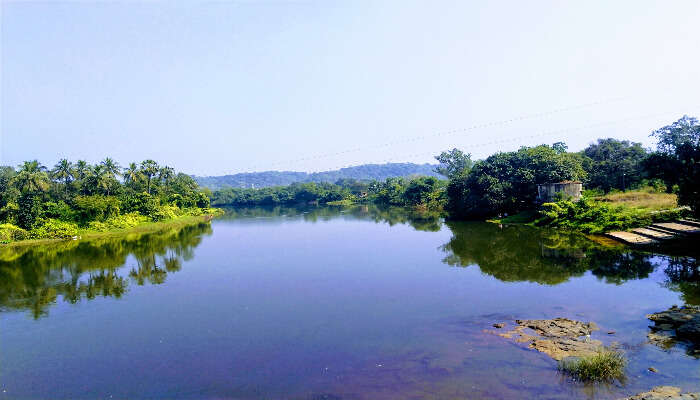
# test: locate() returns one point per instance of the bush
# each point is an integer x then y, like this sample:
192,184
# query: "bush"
125,221
606,365
165,213
143,203
10,233
96,208
54,229
591,217
59,210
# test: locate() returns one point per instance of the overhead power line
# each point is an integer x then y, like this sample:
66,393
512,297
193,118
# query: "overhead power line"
449,132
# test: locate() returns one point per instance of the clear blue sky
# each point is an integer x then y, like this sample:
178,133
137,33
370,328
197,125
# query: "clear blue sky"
220,87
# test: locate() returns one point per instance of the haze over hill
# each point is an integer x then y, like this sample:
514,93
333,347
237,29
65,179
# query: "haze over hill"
278,178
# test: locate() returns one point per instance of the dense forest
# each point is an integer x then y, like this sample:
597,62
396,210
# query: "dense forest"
505,183
367,172
71,198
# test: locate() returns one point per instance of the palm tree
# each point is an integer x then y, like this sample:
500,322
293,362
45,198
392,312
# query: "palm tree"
165,174
81,169
132,174
63,170
149,168
111,168
31,178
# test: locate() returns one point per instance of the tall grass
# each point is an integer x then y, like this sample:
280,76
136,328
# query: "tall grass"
606,365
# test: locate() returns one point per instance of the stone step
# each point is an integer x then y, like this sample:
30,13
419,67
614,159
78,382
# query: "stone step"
631,238
654,234
677,227
690,222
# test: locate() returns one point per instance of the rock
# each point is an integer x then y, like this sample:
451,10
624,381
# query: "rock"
499,326
652,369
664,393
685,321
559,327
559,338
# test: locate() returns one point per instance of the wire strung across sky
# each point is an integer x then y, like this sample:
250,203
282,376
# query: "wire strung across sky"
446,133
472,128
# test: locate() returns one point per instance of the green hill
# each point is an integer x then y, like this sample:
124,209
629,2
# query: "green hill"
281,178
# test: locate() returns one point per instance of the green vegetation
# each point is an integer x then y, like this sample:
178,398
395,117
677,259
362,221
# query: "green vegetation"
504,185
607,365
596,216
367,172
74,199
425,193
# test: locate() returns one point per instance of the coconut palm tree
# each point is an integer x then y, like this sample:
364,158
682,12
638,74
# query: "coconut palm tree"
111,168
81,169
165,174
149,168
132,174
31,178
63,171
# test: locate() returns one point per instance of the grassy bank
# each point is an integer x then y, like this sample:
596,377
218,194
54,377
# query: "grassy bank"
604,213
134,226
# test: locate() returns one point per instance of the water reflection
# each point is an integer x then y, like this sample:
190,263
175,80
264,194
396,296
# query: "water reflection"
421,221
521,253
33,278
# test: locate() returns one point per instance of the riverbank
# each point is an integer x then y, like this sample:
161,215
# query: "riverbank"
141,228
604,213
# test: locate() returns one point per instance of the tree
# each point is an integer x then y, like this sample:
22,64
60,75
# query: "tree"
615,164
684,131
149,169
453,163
111,168
63,171
32,177
31,180
507,182
132,175
165,174
677,159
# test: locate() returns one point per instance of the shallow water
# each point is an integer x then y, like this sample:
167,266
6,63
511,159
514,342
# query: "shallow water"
327,303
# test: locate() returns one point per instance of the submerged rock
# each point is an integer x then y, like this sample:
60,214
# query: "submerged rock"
664,393
559,338
676,323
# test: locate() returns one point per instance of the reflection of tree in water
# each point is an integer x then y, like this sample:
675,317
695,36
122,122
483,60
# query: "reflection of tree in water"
522,253
683,275
422,221
32,278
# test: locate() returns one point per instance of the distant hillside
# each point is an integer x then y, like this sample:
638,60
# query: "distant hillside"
280,178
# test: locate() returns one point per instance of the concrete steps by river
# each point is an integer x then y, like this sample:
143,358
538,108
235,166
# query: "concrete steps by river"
658,232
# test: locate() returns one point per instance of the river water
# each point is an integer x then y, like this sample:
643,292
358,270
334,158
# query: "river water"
328,303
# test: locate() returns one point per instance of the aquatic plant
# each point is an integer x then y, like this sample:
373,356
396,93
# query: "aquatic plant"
608,364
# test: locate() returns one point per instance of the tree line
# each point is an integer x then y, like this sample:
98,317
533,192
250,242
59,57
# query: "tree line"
37,202
506,182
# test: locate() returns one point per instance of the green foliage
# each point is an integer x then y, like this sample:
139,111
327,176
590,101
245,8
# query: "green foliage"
592,217
125,221
54,229
96,207
614,164
606,365
53,205
507,182
368,172
453,163
10,233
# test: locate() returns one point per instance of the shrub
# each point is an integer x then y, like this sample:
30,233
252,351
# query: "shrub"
54,229
165,213
59,210
606,365
96,208
10,233
125,221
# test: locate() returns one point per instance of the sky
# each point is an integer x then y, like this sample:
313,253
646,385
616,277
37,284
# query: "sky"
220,87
